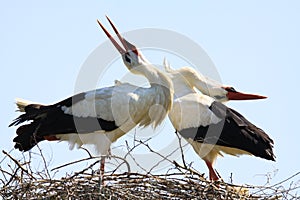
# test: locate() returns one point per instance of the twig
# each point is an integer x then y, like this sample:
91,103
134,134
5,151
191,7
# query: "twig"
82,171
5,156
289,178
124,162
87,151
190,170
129,154
181,149
75,162
44,161
18,164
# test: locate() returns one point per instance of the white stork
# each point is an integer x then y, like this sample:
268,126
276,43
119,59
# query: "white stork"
101,116
208,125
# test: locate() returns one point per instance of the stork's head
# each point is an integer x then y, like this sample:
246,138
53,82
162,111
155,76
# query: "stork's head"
214,89
191,78
131,56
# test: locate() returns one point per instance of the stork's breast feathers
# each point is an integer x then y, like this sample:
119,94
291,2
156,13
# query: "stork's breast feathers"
192,111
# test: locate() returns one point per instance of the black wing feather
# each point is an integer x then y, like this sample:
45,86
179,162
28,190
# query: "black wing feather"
235,131
51,120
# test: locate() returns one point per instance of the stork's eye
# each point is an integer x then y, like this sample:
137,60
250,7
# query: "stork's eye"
230,89
127,58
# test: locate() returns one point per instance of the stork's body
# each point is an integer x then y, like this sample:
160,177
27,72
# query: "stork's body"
101,116
96,117
208,125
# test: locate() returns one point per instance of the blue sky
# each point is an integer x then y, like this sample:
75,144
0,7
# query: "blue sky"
253,44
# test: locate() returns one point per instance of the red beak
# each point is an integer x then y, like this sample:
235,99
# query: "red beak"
232,94
119,48
127,46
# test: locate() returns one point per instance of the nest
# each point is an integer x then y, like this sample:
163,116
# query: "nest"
20,181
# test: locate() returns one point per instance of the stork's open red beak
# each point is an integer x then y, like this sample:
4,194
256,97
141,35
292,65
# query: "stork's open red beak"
232,94
127,46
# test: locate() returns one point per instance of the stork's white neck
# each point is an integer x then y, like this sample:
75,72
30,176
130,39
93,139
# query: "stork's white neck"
181,85
182,88
186,80
162,95
154,75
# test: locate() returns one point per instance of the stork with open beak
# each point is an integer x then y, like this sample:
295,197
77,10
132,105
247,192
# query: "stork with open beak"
209,126
101,116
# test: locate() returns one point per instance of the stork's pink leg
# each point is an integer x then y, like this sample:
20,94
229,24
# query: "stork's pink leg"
212,174
102,167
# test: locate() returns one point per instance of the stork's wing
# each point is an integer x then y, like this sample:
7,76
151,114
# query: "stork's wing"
233,130
110,103
77,114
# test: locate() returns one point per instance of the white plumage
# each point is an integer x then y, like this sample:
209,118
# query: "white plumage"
210,127
192,110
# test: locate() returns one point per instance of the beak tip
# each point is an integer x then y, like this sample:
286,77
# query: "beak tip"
264,97
254,97
98,21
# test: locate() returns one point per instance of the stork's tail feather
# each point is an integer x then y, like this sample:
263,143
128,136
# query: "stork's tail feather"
167,65
22,103
26,138
31,112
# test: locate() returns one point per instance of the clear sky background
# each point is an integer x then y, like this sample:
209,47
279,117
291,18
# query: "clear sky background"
254,45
